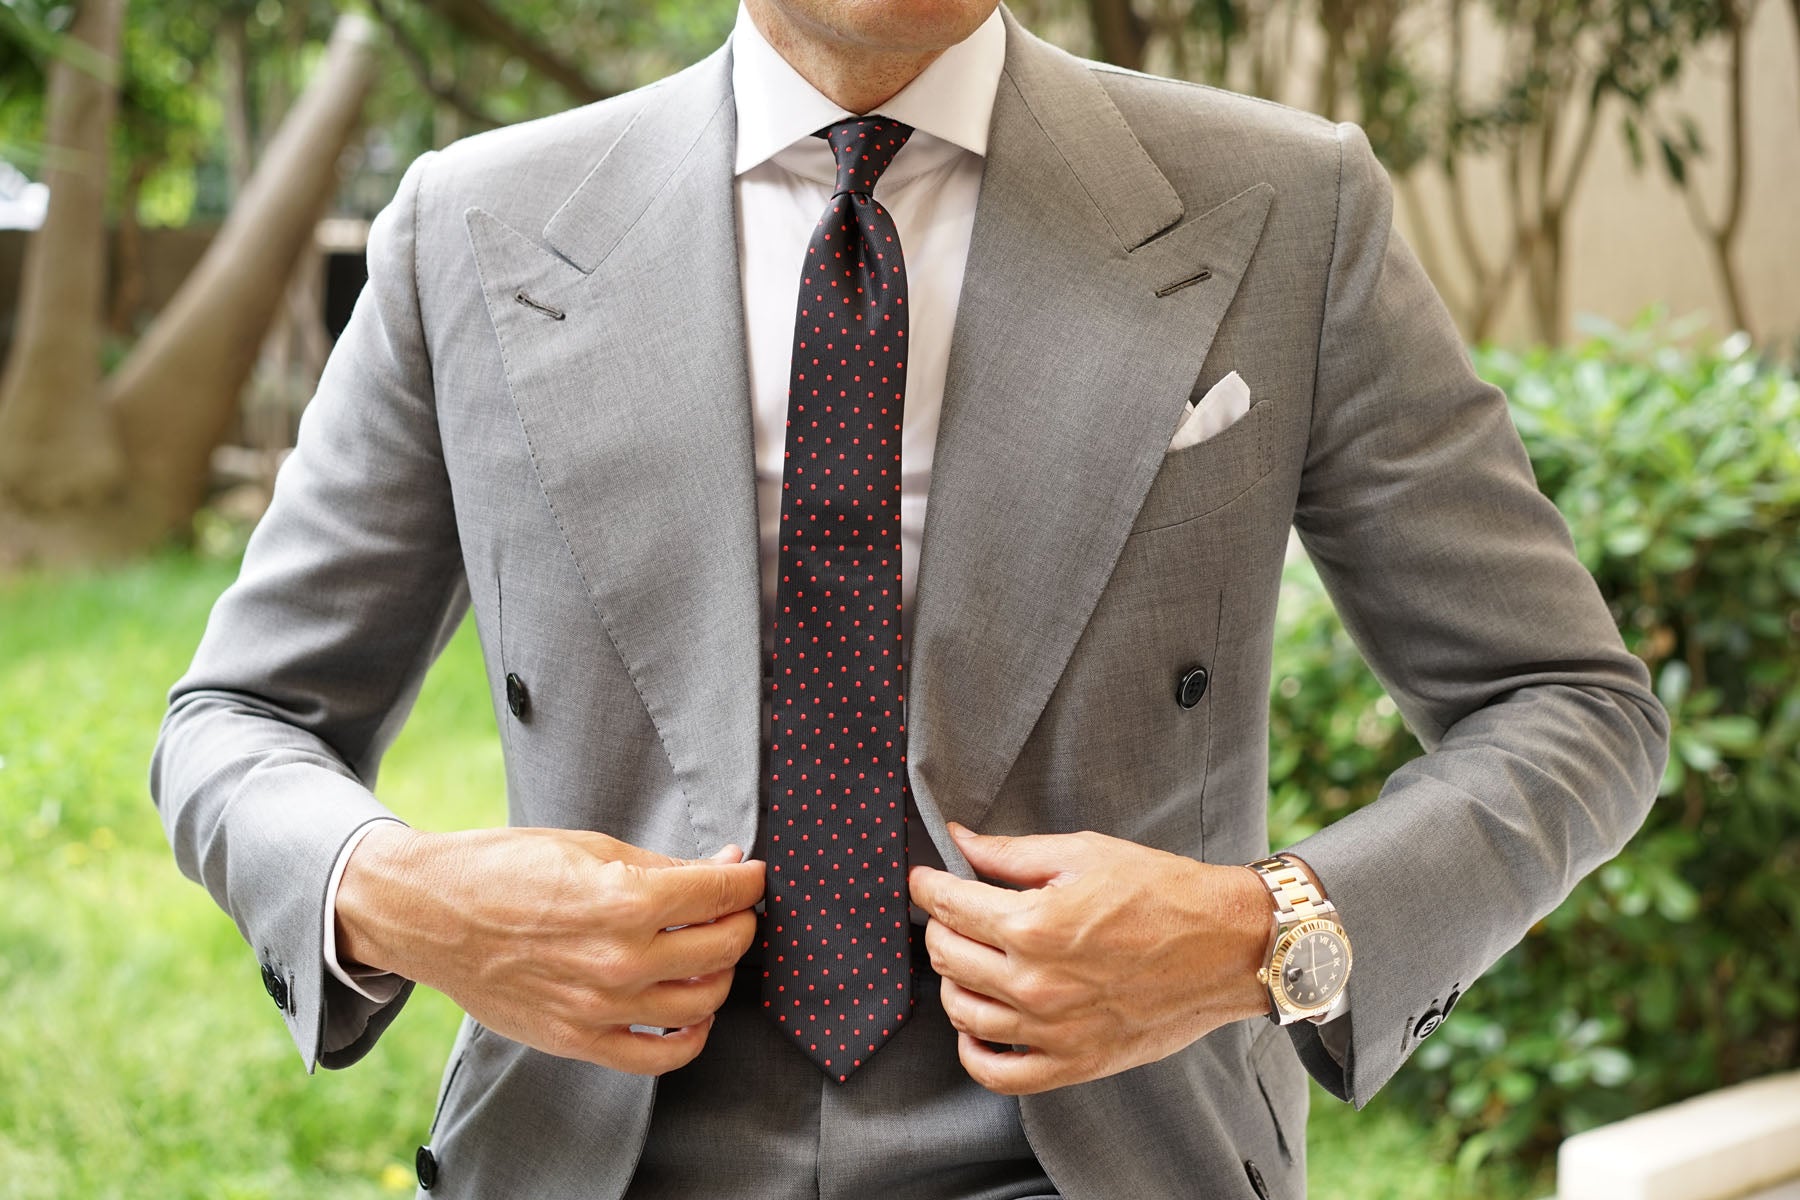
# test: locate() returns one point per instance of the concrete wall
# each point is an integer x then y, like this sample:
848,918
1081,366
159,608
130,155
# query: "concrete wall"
1631,243
1631,240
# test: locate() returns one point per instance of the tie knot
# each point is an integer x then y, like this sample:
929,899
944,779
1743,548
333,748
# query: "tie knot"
864,146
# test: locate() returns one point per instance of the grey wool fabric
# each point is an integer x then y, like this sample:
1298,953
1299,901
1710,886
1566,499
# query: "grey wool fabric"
585,483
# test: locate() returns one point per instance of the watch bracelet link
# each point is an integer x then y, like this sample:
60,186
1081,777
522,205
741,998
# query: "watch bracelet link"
1290,885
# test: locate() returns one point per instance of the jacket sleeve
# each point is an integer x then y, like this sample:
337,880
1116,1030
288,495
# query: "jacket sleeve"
1458,580
350,587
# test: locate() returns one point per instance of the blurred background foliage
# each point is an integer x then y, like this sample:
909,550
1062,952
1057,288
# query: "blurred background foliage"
1671,970
204,83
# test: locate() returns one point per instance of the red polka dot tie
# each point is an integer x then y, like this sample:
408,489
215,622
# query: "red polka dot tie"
837,961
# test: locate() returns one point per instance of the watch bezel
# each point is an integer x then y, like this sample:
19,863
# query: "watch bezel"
1286,937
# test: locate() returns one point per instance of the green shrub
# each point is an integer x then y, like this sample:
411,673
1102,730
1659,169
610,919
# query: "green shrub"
1673,969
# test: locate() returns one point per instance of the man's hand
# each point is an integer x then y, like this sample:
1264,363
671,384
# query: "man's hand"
1114,956
560,939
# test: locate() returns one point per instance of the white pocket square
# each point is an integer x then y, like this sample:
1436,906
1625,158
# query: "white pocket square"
1224,403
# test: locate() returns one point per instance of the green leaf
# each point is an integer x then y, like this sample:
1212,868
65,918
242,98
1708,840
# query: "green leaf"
1675,900
1468,1098
1634,142
1516,1087
1672,683
1734,734
1611,1067
1698,755
1627,541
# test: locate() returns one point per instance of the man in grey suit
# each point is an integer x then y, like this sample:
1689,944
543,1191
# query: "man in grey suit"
1156,326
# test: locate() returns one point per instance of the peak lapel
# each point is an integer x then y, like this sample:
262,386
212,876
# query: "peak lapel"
636,406
1088,307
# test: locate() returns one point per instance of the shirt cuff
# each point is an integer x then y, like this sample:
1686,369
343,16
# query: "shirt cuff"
367,982
1334,1034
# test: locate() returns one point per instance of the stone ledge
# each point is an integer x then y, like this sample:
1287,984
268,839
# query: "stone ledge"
1712,1147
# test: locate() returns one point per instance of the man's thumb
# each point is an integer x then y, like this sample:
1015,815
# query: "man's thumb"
728,853
1029,861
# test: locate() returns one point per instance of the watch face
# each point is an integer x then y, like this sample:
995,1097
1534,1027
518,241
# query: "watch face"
1311,965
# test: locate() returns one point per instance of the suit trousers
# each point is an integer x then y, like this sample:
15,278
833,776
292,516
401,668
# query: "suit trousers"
752,1117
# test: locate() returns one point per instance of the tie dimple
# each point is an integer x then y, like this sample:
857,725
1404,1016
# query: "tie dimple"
835,935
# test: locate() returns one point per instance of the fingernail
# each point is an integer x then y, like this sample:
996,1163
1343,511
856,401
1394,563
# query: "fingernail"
725,854
959,831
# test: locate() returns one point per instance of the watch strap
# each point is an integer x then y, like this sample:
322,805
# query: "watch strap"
1293,889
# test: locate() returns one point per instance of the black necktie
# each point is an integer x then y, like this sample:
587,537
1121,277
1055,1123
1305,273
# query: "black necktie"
837,962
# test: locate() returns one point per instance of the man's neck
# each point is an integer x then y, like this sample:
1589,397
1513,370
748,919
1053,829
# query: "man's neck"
860,78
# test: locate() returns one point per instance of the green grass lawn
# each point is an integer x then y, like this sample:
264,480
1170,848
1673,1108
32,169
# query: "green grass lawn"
139,1056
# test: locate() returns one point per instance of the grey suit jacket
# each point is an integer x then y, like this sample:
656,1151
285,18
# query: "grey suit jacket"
583,478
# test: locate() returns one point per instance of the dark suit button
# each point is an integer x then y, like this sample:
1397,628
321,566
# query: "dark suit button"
518,700
1428,1024
1256,1179
1192,686
1450,1004
276,987
426,1165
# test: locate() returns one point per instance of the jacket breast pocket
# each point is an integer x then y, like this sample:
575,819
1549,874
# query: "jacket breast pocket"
1205,477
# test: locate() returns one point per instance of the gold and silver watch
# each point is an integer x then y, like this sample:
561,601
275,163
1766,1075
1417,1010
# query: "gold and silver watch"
1308,961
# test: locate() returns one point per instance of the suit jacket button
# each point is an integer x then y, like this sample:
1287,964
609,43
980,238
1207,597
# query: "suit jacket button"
276,986
426,1164
518,700
1428,1024
1192,686
1256,1179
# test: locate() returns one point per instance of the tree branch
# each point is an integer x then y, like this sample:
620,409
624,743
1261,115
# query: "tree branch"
482,21
420,65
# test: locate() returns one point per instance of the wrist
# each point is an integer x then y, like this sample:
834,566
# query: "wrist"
373,879
1251,910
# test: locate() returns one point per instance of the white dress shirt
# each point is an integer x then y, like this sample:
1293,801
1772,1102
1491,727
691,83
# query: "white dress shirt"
783,178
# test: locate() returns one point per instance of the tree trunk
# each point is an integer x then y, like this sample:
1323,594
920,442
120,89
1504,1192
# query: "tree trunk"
1120,35
1548,291
175,395
56,445
1334,20
128,253
232,42
1722,236
92,470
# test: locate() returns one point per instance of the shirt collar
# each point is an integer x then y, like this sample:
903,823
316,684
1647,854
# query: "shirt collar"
952,99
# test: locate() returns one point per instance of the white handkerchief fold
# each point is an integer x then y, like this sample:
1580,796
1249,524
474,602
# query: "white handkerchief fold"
1224,403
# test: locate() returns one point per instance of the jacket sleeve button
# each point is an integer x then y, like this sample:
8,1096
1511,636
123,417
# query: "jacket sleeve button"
1255,1176
518,700
1191,687
1428,1024
425,1163
276,986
